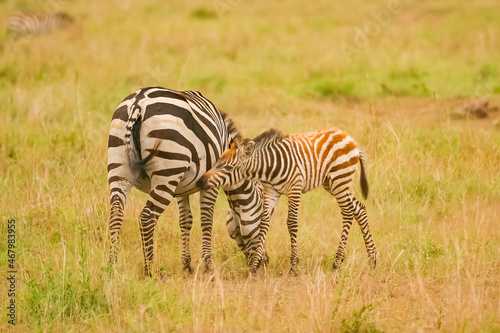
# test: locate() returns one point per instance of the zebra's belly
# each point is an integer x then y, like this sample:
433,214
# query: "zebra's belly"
311,186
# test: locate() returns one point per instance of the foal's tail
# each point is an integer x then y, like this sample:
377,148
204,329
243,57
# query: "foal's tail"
362,178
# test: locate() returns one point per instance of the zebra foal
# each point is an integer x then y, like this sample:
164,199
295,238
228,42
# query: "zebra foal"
292,165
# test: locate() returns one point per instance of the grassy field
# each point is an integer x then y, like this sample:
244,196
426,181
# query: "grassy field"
393,74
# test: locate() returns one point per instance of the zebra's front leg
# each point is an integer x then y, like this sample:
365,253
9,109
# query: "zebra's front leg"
345,203
185,223
293,227
207,202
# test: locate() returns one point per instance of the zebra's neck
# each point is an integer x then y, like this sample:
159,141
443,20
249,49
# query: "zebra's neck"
265,162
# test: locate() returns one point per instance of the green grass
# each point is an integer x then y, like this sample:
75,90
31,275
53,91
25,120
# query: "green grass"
434,201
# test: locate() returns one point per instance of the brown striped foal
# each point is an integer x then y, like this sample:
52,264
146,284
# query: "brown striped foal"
292,165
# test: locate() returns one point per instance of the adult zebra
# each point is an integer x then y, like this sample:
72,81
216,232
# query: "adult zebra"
162,141
292,165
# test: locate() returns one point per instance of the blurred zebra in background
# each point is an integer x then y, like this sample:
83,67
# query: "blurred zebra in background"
37,23
162,141
292,165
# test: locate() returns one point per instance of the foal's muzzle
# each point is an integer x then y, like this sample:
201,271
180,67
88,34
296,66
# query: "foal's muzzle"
203,183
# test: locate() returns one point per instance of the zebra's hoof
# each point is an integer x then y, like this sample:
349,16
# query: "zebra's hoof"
263,262
187,270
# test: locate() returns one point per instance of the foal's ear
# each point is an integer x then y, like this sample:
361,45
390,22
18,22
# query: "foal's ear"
248,148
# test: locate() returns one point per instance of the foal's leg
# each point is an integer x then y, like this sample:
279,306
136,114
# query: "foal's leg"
293,227
346,208
338,186
362,218
270,199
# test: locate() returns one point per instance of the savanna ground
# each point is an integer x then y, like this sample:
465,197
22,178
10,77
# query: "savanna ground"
434,201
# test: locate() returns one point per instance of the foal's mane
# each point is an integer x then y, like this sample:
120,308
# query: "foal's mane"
268,138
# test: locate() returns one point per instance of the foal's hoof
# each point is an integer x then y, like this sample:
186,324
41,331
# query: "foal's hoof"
253,270
110,268
187,270
209,269
265,260
293,272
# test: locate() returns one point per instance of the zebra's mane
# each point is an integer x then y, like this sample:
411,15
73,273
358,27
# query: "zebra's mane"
268,138
231,128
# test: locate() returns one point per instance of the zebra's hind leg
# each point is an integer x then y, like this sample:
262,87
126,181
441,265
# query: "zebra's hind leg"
337,184
346,208
362,218
118,198
158,200
185,223
207,202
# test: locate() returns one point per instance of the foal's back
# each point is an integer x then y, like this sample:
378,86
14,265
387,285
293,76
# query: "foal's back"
324,154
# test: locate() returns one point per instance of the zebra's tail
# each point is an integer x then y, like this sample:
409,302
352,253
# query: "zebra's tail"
133,142
362,178
132,137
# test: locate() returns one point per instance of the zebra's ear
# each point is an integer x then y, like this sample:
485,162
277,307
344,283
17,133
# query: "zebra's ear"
237,142
248,148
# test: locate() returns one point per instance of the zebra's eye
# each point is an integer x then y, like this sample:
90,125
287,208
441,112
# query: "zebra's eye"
228,167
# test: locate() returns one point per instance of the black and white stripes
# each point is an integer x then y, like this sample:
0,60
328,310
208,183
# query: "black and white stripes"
162,141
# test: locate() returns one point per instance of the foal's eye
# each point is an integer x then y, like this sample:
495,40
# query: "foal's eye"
228,167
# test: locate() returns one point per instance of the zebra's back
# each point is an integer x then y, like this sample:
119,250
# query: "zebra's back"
322,153
189,132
